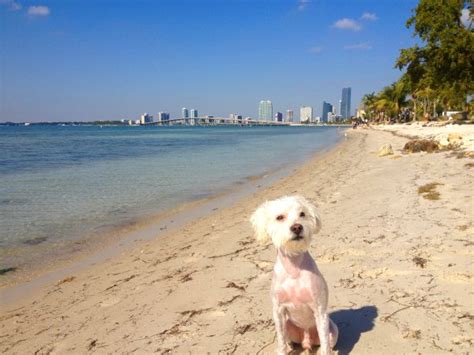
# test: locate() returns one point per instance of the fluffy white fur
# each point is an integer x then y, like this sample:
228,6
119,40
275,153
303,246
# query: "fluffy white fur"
267,227
299,291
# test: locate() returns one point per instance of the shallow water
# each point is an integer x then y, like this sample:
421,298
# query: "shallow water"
62,184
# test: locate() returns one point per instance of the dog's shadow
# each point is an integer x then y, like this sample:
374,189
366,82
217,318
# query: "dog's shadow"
351,323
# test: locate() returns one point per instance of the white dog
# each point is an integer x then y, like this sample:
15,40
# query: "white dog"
299,291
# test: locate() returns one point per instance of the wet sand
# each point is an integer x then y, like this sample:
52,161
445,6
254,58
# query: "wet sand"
398,266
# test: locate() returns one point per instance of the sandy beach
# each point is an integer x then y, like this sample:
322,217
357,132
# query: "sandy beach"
397,260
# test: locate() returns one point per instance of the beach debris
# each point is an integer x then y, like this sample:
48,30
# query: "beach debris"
410,333
428,191
419,261
121,281
194,312
175,329
244,328
67,279
387,317
232,284
467,316
229,301
386,149
35,241
7,269
92,344
421,145
187,277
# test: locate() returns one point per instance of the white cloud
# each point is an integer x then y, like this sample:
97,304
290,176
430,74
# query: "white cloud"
38,10
369,16
302,4
315,49
466,19
347,24
11,5
362,45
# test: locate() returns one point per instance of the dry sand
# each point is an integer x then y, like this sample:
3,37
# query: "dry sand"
398,265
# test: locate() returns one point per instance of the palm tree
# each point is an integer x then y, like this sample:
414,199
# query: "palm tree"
368,101
390,101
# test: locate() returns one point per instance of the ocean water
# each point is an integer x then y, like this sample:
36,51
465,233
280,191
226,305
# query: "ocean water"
60,184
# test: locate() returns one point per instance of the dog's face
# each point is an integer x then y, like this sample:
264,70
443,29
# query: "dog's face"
289,222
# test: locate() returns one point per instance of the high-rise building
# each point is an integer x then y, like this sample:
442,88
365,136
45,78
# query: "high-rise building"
346,103
278,117
146,118
306,114
265,110
327,108
163,116
289,115
184,112
194,113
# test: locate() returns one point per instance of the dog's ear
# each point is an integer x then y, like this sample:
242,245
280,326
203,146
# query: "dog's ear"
259,222
313,213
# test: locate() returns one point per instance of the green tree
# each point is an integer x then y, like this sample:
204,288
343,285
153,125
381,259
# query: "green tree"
441,68
368,100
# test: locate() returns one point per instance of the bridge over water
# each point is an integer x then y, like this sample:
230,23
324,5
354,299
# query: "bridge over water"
214,121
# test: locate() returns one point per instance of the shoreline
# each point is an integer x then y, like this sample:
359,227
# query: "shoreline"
46,251
397,264
123,238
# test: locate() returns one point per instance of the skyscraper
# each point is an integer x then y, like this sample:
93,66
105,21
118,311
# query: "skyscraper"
265,110
306,114
146,118
163,116
194,113
278,117
327,108
184,112
289,115
346,103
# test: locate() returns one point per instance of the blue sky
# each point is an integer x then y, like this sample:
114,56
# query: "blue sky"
86,60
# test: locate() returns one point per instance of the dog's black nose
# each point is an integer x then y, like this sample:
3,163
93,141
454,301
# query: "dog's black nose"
296,228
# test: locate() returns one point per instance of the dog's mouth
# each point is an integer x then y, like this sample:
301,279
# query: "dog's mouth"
297,237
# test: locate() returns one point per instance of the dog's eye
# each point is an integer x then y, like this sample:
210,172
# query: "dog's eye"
280,217
302,214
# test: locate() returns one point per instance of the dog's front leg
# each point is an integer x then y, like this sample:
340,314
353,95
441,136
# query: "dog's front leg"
322,323
279,319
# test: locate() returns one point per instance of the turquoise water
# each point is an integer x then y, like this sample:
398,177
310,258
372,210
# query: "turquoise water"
62,184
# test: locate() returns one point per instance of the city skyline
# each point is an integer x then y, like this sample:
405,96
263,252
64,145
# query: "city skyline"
72,62
265,111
